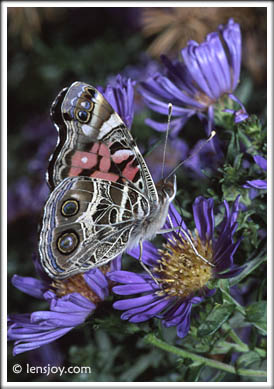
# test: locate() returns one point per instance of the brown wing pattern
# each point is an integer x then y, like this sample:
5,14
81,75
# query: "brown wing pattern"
86,223
94,142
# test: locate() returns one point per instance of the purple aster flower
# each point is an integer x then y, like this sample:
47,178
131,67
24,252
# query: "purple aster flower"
120,94
181,274
71,302
208,71
258,184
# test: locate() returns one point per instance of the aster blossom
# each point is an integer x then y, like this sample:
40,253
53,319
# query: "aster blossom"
194,85
180,276
120,94
71,302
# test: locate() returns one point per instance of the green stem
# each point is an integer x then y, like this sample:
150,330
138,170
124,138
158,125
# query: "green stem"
232,300
241,346
235,337
152,339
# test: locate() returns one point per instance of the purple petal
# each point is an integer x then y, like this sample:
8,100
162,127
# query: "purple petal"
260,161
97,282
178,73
224,259
29,336
232,36
195,62
58,320
73,302
44,338
116,264
137,288
30,285
204,217
120,95
175,217
134,302
241,114
257,184
183,328
150,254
126,277
219,62
145,312
174,316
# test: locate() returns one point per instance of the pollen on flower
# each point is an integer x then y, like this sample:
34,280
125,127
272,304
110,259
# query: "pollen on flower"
180,271
75,284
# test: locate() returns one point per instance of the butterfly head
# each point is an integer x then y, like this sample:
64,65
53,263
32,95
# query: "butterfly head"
166,189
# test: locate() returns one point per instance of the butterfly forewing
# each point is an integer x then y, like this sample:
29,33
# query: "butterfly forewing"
95,142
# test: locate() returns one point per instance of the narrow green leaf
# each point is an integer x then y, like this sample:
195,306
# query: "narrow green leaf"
256,314
250,267
215,319
248,359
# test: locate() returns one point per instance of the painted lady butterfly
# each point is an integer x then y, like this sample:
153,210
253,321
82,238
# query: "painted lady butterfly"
103,198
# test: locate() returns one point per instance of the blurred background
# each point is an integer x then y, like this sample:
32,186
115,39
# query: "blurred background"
48,49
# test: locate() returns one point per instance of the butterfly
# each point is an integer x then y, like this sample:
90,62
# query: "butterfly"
103,199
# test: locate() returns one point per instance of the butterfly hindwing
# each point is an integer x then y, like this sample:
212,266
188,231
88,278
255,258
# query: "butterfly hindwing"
86,223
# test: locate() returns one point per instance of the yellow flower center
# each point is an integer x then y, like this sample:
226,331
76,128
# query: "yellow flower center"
181,272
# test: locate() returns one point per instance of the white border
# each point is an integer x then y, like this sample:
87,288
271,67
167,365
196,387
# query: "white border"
269,6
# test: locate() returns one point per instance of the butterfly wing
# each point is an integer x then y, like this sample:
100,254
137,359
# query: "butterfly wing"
86,223
95,142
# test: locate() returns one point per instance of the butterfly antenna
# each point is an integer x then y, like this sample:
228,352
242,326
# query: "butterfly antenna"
213,133
167,132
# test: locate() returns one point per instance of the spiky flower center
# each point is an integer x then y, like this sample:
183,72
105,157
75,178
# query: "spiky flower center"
181,272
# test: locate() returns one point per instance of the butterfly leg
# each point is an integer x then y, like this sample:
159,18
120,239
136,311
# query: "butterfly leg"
143,265
188,239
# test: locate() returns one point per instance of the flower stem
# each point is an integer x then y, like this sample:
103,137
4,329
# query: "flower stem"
232,300
152,339
235,337
240,346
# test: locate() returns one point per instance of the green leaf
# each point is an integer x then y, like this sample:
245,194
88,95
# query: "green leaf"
215,319
250,267
231,147
248,359
194,372
256,315
224,287
238,161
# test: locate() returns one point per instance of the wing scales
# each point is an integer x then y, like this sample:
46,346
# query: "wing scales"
102,233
